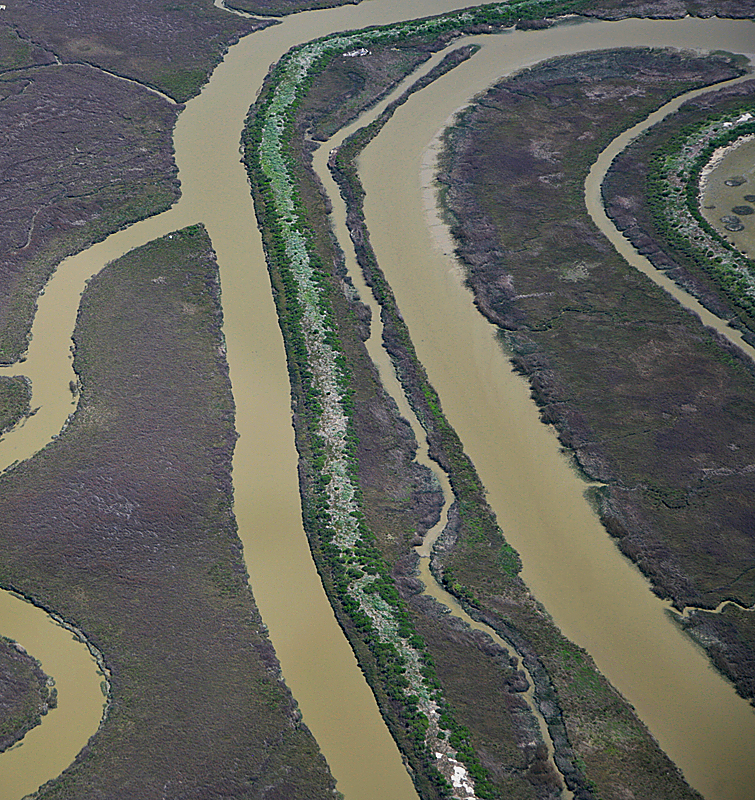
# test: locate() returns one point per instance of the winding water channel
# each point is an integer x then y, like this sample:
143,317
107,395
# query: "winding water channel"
597,598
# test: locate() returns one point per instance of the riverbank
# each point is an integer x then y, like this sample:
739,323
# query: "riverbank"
682,243
280,8
15,397
26,693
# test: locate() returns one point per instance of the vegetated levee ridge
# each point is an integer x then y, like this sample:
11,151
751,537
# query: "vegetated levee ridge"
681,173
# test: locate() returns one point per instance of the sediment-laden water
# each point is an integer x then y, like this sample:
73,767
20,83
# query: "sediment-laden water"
729,191
49,748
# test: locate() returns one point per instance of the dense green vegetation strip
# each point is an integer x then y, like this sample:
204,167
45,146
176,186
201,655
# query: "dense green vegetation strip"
361,577
362,584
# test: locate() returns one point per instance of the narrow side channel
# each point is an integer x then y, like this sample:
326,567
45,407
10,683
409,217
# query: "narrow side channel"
594,202
79,680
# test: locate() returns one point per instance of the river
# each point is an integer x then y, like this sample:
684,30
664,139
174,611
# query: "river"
317,663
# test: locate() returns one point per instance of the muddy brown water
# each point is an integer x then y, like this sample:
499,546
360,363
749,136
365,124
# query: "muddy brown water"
537,497
50,747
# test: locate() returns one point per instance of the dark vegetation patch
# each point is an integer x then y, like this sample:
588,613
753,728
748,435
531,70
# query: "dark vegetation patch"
589,723
650,401
124,526
729,637
17,52
26,693
353,83
84,154
15,397
173,47
672,9
279,8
